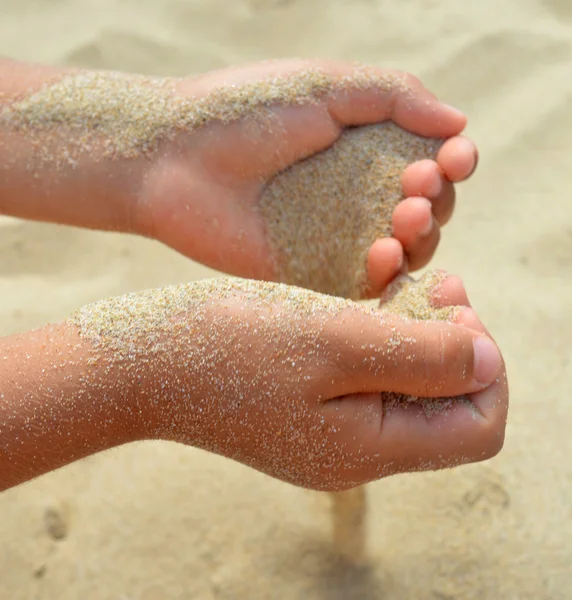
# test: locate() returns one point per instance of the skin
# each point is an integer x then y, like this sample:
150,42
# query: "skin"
57,407
217,174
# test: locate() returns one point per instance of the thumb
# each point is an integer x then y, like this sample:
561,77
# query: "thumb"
377,352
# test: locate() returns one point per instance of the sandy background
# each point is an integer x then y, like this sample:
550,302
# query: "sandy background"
159,521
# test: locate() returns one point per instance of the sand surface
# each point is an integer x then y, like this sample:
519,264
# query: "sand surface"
159,521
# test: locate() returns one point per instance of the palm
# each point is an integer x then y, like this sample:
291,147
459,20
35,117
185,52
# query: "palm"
226,184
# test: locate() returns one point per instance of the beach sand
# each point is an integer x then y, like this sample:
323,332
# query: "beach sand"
161,521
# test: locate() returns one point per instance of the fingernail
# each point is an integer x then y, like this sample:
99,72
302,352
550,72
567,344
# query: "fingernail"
458,113
426,229
487,360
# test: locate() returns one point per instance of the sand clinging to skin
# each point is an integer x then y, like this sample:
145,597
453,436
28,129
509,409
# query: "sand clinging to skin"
418,300
129,115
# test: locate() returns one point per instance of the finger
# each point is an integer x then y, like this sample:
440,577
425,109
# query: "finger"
381,94
426,179
459,434
375,352
451,291
417,230
385,261
465,432
382,436
458,158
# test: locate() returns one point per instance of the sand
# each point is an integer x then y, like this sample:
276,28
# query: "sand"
159,520
324,213
130,115
415,299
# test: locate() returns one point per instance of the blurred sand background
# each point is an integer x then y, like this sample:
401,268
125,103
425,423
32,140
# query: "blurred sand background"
158,521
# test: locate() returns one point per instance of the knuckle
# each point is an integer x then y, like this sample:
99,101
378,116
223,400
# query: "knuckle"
409,80
435,350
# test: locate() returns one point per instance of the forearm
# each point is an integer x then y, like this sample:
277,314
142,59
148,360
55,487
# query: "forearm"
41,177
57,405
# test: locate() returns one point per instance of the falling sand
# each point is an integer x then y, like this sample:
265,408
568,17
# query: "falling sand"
324,213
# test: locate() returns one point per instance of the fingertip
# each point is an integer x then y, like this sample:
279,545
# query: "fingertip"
427,117
422,178
417,230
412,218
450,291
492,403
468,317
386,259
458,158
458,117
487,360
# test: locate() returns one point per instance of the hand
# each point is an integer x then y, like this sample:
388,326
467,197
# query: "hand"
291,383
202,193
199,191
287,381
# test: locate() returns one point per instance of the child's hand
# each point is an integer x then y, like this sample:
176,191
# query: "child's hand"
291,382
202,194
287,381
118,152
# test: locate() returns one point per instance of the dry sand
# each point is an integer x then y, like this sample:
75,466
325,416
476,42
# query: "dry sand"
155,520
350,190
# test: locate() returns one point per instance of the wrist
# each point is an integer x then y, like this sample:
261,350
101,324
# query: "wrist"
59,402
108,388
52,169
125,390
100,398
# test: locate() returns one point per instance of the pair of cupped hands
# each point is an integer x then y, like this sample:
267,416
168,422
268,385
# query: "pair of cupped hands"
303,402
346,418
